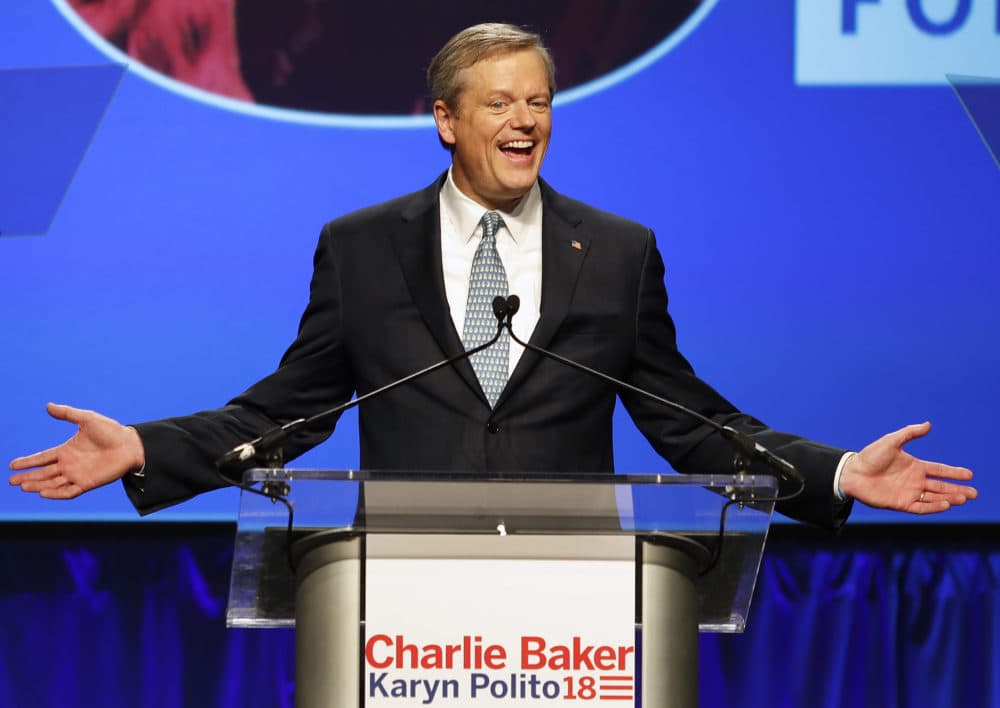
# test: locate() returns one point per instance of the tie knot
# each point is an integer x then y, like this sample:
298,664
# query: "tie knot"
491,221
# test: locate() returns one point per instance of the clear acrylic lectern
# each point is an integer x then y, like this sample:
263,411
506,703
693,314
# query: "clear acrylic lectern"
695,542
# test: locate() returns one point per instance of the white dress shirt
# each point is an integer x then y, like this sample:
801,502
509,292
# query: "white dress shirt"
519,243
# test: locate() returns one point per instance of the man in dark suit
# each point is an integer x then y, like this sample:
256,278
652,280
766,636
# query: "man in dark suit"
399,286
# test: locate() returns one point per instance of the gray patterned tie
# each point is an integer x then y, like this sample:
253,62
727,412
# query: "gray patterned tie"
487,280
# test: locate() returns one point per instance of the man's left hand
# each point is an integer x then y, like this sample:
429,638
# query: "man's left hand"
882,475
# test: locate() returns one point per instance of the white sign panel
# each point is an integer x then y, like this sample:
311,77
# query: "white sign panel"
447,632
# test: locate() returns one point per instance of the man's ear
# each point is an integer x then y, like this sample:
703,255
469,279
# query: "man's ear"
444,117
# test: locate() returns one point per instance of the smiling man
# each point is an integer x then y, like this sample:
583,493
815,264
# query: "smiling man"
400,285
496,117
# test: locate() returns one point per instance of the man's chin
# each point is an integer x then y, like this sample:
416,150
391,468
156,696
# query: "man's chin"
511,196
517,185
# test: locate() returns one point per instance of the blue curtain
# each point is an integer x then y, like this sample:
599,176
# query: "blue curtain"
902,621
133,615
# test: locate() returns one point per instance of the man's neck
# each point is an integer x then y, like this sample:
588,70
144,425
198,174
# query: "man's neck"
507,207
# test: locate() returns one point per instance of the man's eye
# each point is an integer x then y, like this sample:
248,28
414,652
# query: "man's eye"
498,105
540,105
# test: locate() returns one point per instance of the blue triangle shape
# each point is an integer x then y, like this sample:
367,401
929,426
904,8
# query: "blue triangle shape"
50,118
980,96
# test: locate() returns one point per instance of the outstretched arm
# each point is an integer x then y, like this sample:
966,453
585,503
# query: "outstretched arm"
882,475
102,451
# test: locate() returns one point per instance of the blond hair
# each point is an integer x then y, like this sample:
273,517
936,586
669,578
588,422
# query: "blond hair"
473,44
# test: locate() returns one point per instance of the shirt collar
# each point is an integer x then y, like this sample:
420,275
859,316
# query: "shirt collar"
465,214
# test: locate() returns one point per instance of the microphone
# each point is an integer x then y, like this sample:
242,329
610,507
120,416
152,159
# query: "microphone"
501,308
742,442
267,445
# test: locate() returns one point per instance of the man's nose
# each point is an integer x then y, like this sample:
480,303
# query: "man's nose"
522,118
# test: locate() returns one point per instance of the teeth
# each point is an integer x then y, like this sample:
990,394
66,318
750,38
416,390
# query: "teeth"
518,144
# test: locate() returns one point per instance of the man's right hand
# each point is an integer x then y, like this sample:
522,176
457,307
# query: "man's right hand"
102,451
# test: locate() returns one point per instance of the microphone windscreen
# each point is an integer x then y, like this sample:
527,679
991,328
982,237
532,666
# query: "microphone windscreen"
500,307
513,304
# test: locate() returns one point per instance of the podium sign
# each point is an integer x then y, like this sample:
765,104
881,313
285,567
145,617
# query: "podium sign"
451,589
485,631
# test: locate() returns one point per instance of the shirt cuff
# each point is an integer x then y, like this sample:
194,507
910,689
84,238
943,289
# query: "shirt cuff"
138,476
836,477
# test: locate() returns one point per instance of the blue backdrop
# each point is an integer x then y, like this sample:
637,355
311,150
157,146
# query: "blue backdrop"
848,220
809,155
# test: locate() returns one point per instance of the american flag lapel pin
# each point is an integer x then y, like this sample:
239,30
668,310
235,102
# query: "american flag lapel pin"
576,244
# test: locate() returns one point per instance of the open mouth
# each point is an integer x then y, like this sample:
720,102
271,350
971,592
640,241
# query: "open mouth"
518,148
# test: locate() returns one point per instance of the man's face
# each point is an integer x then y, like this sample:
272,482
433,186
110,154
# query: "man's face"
500,128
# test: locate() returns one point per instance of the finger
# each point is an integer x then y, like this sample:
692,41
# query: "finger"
41,485
67,491
936,485
67,413
929,507
910,432
43,473
948,472
38,459
953,498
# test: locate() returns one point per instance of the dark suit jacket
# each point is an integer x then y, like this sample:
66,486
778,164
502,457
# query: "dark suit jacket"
377,311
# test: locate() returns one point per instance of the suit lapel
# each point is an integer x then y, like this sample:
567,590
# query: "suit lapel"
417,244
564,249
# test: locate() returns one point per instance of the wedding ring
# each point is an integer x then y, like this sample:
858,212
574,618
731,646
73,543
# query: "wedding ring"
922,496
